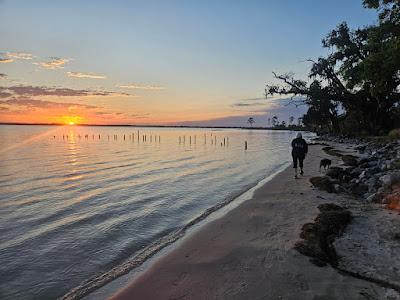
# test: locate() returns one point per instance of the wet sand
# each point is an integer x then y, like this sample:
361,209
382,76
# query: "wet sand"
248,253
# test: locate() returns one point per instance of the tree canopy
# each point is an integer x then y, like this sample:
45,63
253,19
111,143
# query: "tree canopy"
356,88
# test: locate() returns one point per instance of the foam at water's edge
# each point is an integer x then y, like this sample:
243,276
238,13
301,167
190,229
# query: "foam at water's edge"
97,282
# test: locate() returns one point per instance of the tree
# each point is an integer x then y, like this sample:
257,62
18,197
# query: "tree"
283,124
275,121
299,121
291,119
360,78
251,121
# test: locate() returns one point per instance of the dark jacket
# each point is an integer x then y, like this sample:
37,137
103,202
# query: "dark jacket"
299,147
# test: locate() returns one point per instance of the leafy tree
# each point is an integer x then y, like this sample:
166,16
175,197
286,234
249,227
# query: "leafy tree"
291,119
251,121
275,121
359,78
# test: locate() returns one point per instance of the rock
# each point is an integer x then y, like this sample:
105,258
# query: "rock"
338,188
331,151
371,198
350,160
386,180
323,183
393,199
390,179
356,172
336,172
361,148
372,163
359,189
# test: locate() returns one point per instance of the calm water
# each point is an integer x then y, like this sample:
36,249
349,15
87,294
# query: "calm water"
72,209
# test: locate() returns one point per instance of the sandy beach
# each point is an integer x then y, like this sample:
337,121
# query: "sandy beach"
249,253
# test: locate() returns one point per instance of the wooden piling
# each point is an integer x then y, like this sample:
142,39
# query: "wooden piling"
245,145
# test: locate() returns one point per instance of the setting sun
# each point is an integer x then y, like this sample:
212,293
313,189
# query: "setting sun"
71,120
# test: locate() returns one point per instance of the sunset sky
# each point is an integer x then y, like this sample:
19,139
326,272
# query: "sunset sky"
157,62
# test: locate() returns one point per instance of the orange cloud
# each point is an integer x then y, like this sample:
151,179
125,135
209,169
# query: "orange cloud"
6,60
54,63
20,55
85,75
136,86
33,91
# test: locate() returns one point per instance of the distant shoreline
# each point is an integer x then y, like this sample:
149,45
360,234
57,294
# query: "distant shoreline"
160,126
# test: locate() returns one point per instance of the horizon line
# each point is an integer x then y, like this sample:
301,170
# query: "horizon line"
141,125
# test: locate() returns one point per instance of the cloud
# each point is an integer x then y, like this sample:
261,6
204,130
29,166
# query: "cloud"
5,60
2,75
4,95
20,55
85,75
140,116
54,63
252,99
32,103
35,91
241,104
4,108
135,86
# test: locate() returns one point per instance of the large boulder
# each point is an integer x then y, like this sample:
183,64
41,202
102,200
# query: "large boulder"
389,179
340,174
392,200
323,183
331,151
350,160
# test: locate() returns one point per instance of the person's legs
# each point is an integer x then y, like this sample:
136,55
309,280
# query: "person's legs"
301,158
295,165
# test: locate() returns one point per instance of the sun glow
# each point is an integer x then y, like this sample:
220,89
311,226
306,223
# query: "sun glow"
71,120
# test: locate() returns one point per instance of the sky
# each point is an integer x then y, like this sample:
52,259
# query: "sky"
158,62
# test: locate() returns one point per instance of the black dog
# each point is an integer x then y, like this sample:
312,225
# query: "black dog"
325,163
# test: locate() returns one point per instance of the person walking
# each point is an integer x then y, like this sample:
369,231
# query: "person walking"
299,151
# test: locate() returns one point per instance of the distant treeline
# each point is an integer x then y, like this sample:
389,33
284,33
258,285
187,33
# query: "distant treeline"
355,90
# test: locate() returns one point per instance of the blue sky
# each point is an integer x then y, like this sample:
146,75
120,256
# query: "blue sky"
203,56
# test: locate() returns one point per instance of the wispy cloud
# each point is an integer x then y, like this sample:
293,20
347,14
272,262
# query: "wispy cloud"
54,63
2,75
85,75
253,99
35,91
147,87
4,60
242,104
140,116
32,103
20,55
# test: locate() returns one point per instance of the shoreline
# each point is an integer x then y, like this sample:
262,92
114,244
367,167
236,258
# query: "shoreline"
109,289
96,286
248,253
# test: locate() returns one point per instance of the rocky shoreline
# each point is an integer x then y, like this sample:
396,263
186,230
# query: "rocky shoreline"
372,174
367,173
